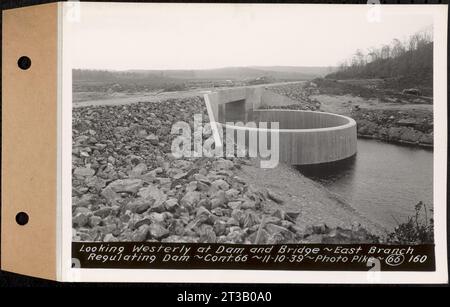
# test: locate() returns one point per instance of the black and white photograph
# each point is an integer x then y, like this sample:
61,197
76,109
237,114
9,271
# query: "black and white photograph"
224,151
255,125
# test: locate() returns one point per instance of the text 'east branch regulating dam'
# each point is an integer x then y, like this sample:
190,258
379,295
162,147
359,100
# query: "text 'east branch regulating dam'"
305,137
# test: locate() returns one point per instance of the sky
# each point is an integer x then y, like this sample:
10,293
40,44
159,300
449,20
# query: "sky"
121,36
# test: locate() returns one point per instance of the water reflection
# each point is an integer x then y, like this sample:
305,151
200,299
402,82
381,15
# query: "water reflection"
383,181
330,172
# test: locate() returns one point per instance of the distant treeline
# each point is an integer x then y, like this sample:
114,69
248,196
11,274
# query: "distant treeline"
227,73
410,60
112,76
122,81
88,80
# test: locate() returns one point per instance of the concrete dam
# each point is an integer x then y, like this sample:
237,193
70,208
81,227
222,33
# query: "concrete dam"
305,137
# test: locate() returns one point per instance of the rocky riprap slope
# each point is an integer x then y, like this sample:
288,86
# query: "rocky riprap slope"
127,186
408,126
413,127
357,234
300,92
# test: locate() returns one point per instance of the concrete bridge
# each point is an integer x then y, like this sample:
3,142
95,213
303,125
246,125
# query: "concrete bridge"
305,137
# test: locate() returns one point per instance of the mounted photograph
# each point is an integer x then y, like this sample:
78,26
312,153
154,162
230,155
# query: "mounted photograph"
240,126
225,143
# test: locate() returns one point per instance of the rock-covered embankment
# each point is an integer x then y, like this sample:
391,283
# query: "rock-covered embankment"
414,127
300,92
127,186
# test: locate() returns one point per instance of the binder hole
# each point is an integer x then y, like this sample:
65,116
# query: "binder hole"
24,62
22,218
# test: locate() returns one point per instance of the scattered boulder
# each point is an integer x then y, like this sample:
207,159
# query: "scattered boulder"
84,172
320,229
407,122
275,197
190,199
95,182
110,238
153,139
94,221
153,194
412,91
258,237
138,170
141,234
221,184
279,233
103,212
157,231
126,185
80,220
223,164
139,206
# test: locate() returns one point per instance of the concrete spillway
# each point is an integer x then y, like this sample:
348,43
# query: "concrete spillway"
305,137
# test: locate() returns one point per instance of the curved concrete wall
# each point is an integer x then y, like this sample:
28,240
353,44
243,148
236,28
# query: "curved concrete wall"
305,137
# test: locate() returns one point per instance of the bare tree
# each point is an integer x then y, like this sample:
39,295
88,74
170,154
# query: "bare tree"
397,48
385,52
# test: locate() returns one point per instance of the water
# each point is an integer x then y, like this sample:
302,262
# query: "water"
383,181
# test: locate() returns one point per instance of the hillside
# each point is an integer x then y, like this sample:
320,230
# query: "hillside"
406,64
178,80
231,73
242,73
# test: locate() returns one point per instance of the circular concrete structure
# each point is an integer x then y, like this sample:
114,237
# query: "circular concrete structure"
305,137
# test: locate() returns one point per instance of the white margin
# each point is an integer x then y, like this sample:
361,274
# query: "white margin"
59,217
